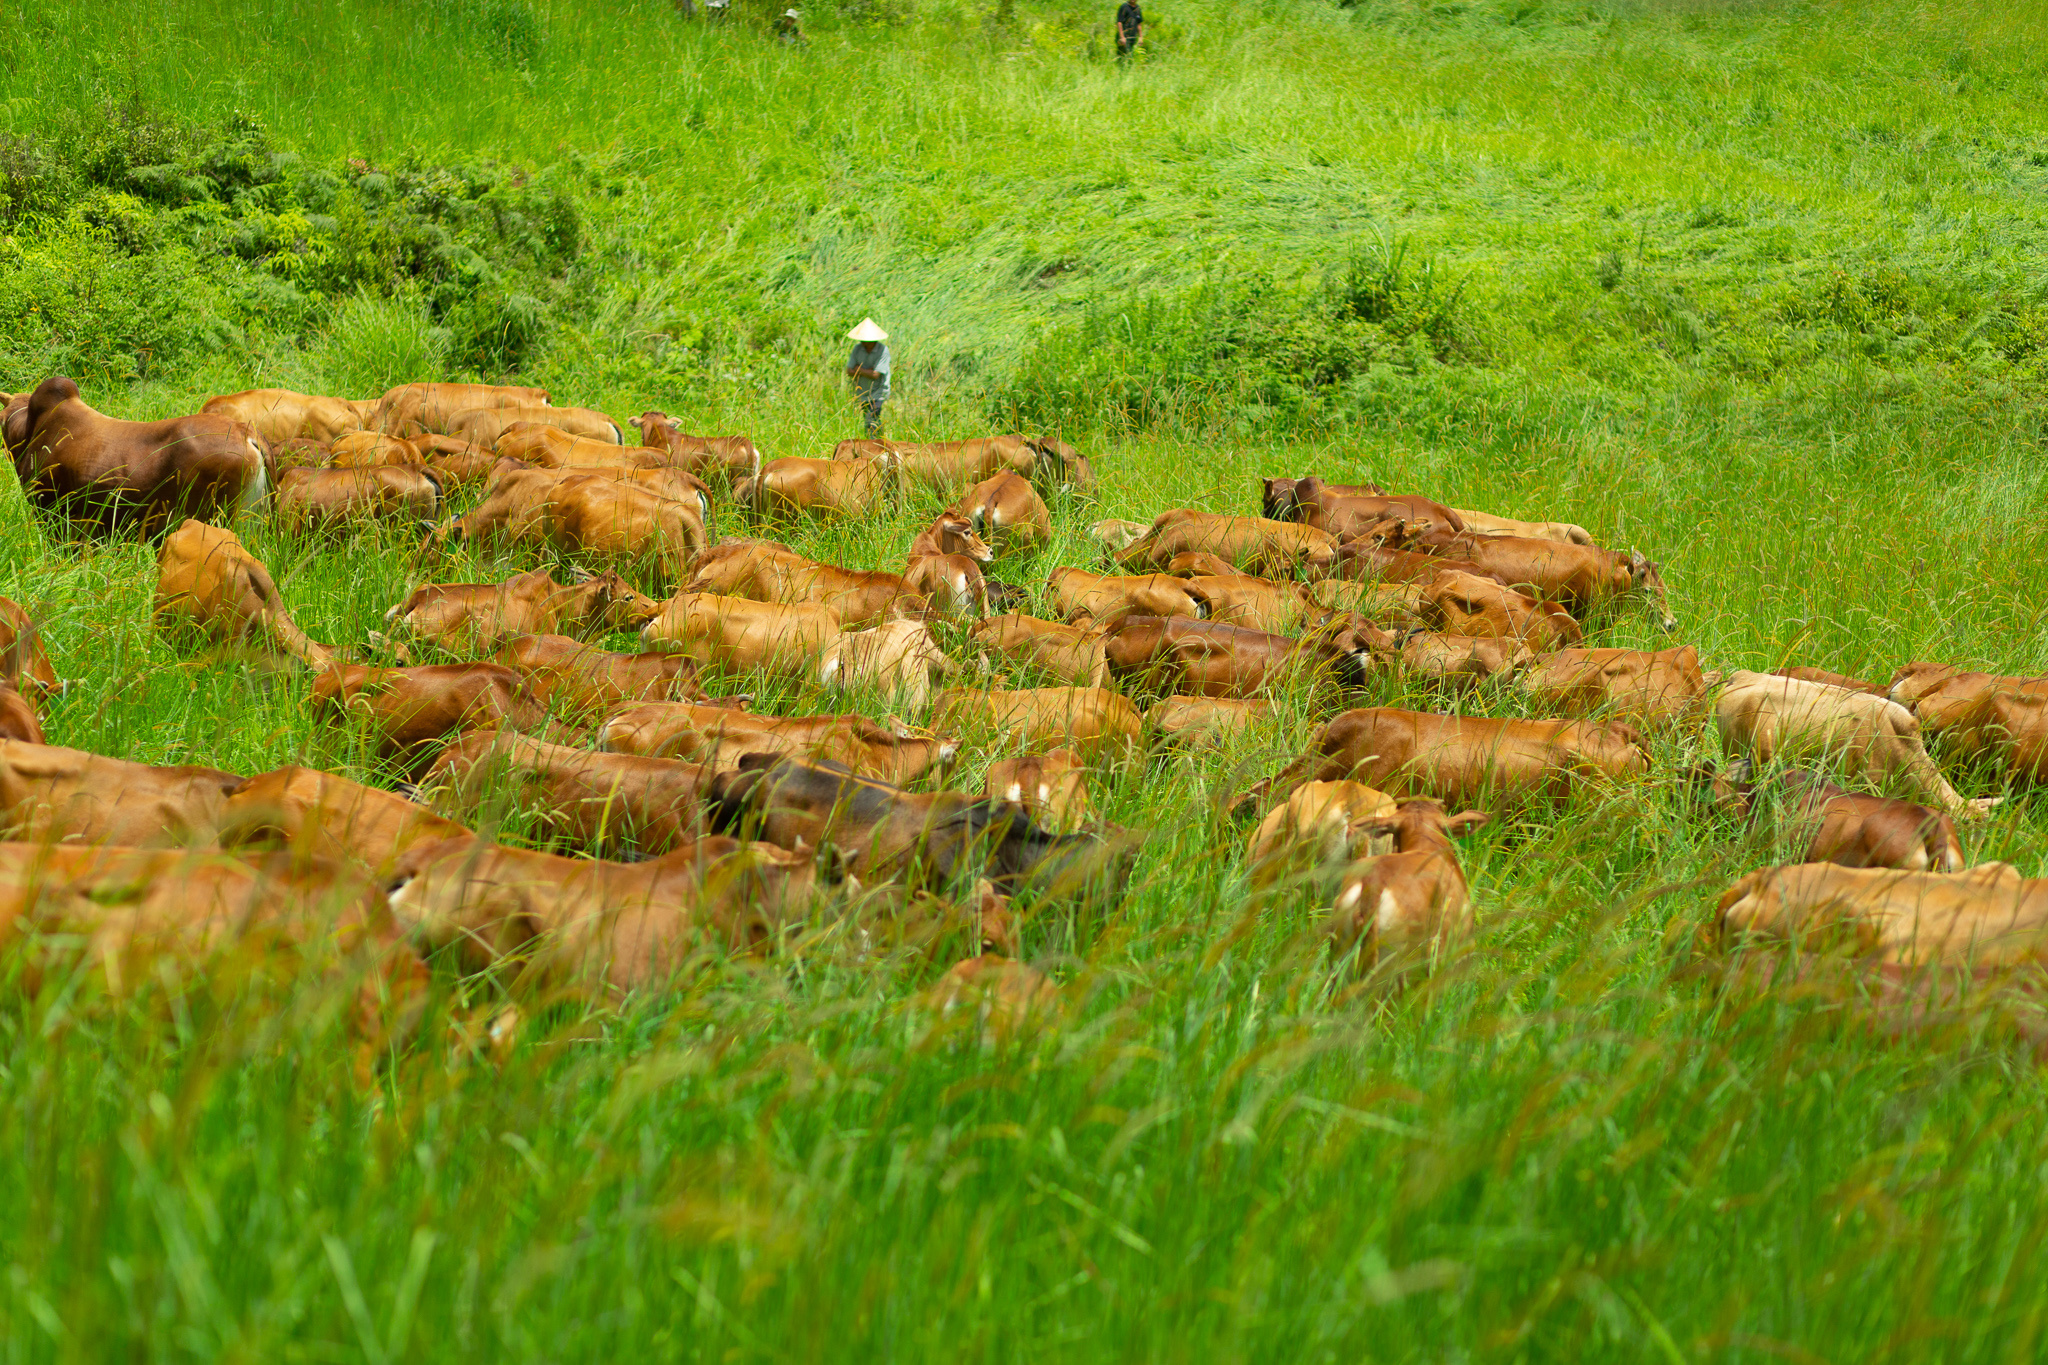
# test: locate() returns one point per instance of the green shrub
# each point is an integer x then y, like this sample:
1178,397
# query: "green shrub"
374,343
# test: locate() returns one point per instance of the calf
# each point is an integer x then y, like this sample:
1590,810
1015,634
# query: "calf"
1661,688
1980,714
587,514
325,499
1070,653
1213,660
1090,719
1465,604
207,581
897,659
579,679
945,564
848,488
407,708
1052,787
1206,720
1459,758
1987,917
1007,510
1407,907
719,736
1082,596
1767,717
1320,826
601,801
50,794
463,616
321,815
1254,544
733,457
737,634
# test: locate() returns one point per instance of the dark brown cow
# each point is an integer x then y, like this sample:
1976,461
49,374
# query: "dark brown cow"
1459,758
1980,714
50,794
1174,654
733,456
601,801
1347,510
101,469
407,708
717,736
463,616
582,681
1847,827
206,580
323,499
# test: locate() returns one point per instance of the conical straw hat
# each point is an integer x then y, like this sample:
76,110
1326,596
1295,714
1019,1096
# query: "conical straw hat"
868,331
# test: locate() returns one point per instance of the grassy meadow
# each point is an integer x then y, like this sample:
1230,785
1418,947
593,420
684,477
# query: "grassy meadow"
1760,289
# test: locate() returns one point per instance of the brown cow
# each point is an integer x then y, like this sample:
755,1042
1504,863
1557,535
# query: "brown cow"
1114,535
23,663
588,514
1407,907
1458,660
736,633
1011,1001
735,457
1081,596
50,794
372,450
1090,719
1070,653
946,466
1466,604
407,708
1850,828
324,499
1254,544
1486,524
945,565
569,921
601,801
1459,758
1207,721
550,447
1582,578
1656,688
98,468
580,680
1320,828
718,736
1987,917
1334,505
317,814
1206,659
769,571
18,718
1052,787
897,659
411,409
1007,511
1196,563
281,415
678,485
484,425
849,488
1766,717
463,616
1823,676
1235,599
1980,714
1366,560
206,580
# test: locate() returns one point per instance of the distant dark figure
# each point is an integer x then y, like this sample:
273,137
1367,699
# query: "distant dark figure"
1130,29
868,368
789,30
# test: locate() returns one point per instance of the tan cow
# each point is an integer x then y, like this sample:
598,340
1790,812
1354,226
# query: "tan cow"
1052,786
1008,1002
847,488
733,457
621,523
769,571
1319,828
1768,717
281,415
550,447
1978,715
1466,604
1462,661
946,466
736,633
1822,675
411,409
896,659
1235,599
582,681
464,616
326,499
407,708
323,815
1254,544
1987,917
372,450
1007,511
1208,659
50,794
1656,688
604,802
1081,596
1407,908
206,580
86,465
1457,759
483,426
1113,534
1582,578
719,736
1207,721
945,565
1092,720
1070,653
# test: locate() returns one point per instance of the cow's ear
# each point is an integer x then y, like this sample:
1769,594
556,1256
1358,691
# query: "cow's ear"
1465,821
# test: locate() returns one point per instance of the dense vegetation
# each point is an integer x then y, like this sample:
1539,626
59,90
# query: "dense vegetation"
1758,288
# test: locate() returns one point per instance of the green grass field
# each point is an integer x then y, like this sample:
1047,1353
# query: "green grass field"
1759,289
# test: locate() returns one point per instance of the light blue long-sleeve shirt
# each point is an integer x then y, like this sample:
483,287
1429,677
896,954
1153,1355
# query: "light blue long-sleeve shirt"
871,355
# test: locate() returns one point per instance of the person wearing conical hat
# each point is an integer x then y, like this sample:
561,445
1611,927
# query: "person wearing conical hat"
789,29
869,371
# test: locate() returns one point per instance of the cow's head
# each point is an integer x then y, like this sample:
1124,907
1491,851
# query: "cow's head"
1916,680
1279,501
1644,578
954,535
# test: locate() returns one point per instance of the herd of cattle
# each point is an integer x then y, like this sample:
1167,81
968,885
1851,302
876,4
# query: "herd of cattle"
698,820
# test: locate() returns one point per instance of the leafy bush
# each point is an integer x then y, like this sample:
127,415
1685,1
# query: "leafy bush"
374,343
